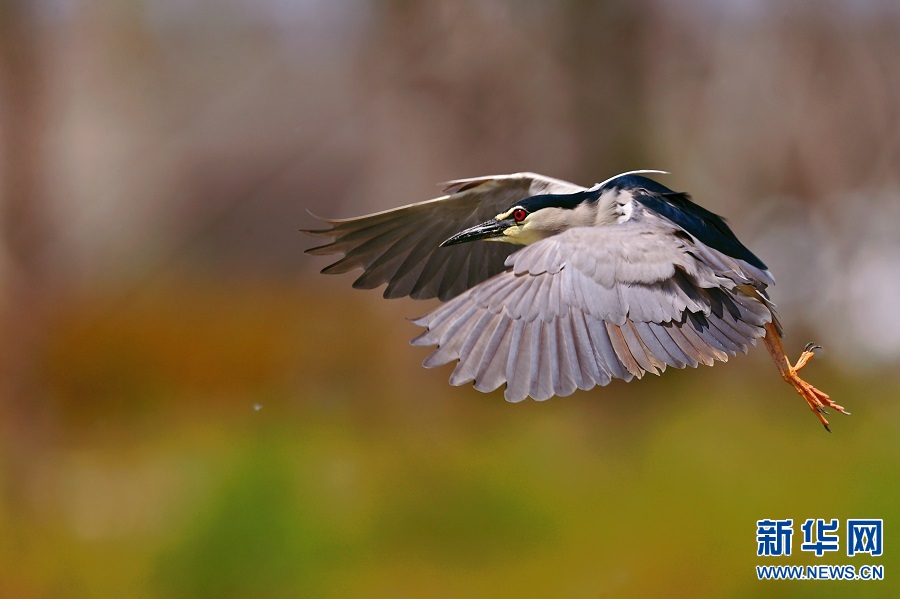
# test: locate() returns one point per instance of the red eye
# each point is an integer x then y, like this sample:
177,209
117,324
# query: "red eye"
519,214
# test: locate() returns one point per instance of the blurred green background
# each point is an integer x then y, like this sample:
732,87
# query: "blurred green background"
187,409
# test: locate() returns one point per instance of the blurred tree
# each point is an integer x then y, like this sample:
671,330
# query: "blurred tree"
24,230
603,46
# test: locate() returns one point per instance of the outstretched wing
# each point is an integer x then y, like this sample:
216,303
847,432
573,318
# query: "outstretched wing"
400,246
591,304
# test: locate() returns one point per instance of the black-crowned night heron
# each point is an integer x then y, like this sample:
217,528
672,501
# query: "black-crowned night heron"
588,285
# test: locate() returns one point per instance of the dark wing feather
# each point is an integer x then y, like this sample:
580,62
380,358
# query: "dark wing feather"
720,246
399,247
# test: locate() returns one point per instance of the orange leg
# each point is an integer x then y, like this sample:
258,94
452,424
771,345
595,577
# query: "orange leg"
816,400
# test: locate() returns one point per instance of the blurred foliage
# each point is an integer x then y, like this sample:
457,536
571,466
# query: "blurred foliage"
201,461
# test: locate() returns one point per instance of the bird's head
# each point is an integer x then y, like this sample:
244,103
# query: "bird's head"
534,218
541,216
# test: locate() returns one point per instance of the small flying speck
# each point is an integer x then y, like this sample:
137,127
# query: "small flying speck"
257,407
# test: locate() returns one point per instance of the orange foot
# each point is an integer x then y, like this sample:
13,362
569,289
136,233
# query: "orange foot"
815,399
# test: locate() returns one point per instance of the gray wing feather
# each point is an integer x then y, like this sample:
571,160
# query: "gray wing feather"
492,366
592,304
519,361
592,372
399,247
569,365
657,347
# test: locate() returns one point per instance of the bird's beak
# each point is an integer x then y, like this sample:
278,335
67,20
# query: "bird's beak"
492,229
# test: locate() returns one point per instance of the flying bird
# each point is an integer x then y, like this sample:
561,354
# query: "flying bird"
549,287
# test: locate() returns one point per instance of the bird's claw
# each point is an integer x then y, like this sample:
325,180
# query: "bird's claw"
808,352
815,399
